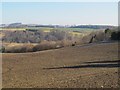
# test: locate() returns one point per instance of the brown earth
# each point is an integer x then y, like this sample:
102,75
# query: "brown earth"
89,66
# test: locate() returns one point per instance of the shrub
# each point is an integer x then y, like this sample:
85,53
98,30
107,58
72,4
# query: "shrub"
45,46
115,35
2,49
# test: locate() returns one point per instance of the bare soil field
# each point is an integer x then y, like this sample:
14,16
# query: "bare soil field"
88,66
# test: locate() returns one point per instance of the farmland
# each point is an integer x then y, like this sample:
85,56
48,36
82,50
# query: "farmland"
59,58
59,45
46,28
44,38
47,37
89,66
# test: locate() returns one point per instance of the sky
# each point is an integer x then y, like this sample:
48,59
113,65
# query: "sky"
63,13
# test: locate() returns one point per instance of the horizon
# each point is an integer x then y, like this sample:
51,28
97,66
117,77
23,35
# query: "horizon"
62,13
58,24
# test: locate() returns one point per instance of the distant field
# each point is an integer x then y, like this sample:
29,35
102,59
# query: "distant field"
76,29
48,29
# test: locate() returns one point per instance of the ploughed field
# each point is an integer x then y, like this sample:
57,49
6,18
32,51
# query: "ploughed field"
88,66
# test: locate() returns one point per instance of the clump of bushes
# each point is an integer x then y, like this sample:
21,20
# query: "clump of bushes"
22,48
44,46
96,36
115,35
18,48
2,49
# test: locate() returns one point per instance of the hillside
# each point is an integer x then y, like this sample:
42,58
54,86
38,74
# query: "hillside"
31,40
88,66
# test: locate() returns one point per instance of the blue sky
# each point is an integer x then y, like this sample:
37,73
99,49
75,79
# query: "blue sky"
60,12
